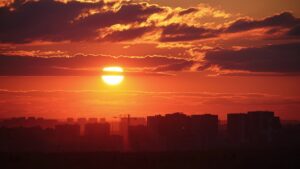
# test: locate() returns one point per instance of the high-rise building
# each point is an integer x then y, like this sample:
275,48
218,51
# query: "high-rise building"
204,129
138,137
178,131
237,127
253,127
261,125
97,130
67,130
125,122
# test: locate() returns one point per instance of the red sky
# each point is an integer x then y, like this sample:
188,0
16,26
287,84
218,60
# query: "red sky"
193,56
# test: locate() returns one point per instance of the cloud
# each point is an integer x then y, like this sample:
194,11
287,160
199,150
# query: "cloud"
285,19
34,53
295,31
282,58
26,21
46,20
284,24
188,11
128,34
50,20
176,67
80,65
182,32
127,13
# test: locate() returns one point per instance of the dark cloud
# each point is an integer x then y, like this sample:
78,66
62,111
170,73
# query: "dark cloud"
285,19
50,20
128,34
128,13
42,20
185,65
182,32
76,65
283,58
295,31
188,11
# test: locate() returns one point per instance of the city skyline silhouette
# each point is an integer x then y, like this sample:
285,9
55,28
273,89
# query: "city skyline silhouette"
170,132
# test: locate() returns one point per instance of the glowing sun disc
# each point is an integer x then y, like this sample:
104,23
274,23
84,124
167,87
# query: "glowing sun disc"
113,69
112,79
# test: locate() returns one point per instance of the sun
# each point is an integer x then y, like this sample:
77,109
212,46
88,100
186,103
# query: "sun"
112,75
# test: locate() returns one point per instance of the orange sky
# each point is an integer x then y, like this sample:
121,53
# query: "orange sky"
192,56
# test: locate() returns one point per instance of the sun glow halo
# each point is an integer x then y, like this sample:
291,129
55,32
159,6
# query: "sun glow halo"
112,75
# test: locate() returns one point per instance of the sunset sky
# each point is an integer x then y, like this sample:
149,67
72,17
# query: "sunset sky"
192,56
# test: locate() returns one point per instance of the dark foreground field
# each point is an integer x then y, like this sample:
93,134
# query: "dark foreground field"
218,159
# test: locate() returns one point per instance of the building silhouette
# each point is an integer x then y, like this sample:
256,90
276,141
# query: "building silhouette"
67,137
125,123
252,127
237,127
178,131
170,132
97,130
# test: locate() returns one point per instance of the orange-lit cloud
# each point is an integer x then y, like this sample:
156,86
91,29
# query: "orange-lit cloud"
128,20
201,38
85,65
272,58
